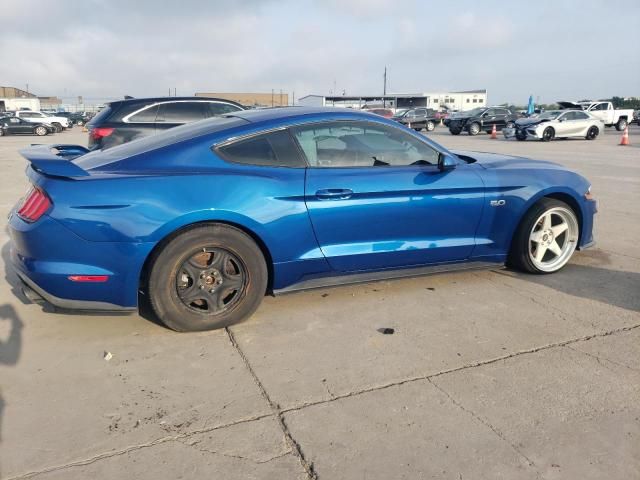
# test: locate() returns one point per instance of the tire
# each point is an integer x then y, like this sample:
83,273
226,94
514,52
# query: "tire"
592,133
57,126
80,123
454,131
521,136
170,285
41,131
474,129
548,134
524,249
622,124
1,132
430,126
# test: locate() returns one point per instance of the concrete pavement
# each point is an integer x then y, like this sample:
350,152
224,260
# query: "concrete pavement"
489,374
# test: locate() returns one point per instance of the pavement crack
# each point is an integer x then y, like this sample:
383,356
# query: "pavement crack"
132,448
461,368
277,411
484,422
601,360
197,446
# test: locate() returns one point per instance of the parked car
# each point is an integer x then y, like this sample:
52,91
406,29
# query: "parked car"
604,111
59,123
76,118
482,118
207,218
18,126
418,119
125,120
556,124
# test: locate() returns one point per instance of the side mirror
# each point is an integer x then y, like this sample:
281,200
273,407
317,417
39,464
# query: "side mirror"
446,162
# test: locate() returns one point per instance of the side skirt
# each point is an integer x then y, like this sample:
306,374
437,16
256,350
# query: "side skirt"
366,277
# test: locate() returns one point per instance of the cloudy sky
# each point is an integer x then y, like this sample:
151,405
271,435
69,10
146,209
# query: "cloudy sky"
108,48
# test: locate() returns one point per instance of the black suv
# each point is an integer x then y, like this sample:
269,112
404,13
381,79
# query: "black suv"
125,120
418,118
483,118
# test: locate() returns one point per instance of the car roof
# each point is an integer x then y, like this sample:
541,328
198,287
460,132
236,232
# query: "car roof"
148,100
281,113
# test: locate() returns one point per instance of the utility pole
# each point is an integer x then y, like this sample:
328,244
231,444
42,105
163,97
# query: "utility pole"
280,98
272,98
174,92
384,88
293,98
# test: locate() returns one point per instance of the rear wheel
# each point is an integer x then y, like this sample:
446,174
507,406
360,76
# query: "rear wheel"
546,237
592,133
206,278
41,131
474,128
430,126
622,124
548,134
1,131
454,131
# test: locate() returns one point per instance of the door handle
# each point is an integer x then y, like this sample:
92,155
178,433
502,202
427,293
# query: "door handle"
334,194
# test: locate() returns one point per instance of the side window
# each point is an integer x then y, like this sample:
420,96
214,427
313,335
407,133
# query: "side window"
566,116
182,112
490,113
27,115
275,149
361,144
148,115
216,108
601,106
580,115
502,111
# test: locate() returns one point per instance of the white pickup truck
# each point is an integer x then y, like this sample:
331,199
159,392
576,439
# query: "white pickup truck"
605,112
59,123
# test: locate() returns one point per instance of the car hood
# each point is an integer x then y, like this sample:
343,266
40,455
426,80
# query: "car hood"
500,161
530,122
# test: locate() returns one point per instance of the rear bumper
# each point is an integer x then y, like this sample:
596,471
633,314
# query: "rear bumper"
44,254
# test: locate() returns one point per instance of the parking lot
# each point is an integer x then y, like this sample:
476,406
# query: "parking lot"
488,374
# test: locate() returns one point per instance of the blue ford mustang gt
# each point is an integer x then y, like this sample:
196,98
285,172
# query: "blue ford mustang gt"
207,218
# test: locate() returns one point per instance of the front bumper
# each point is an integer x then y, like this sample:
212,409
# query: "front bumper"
45,253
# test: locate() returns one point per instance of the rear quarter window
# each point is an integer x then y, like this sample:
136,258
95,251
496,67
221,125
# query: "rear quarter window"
274,149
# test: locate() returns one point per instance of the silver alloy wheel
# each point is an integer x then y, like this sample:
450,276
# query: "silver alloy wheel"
41,131
430,126
553,239
474,129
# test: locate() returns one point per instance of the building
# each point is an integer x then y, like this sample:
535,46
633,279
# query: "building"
463,100
273,99
16,98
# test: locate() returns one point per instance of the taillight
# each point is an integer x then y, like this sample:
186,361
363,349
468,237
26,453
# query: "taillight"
100,132
34,205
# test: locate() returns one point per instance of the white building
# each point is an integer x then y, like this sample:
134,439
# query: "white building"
464,100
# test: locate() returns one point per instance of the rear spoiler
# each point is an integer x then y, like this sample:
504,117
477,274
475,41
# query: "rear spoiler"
55,160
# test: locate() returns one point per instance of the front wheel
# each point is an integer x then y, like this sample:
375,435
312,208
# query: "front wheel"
430,126
57,126
546,237
621,125
548,134
454,131
592,133
474,129
520,135
41,131
208,277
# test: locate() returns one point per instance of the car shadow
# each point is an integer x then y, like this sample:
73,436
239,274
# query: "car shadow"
591,279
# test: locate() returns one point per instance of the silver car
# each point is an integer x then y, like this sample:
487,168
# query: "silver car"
556,124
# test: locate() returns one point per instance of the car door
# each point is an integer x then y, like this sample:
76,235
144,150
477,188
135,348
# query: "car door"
562,125
173,114
19,126
582,123
377,199
600,111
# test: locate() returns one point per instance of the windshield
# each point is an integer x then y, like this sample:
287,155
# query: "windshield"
472,113
550,115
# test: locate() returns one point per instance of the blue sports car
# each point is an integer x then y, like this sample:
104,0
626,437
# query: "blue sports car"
205,219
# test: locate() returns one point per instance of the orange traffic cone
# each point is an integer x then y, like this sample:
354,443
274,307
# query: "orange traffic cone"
494,133
625,136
